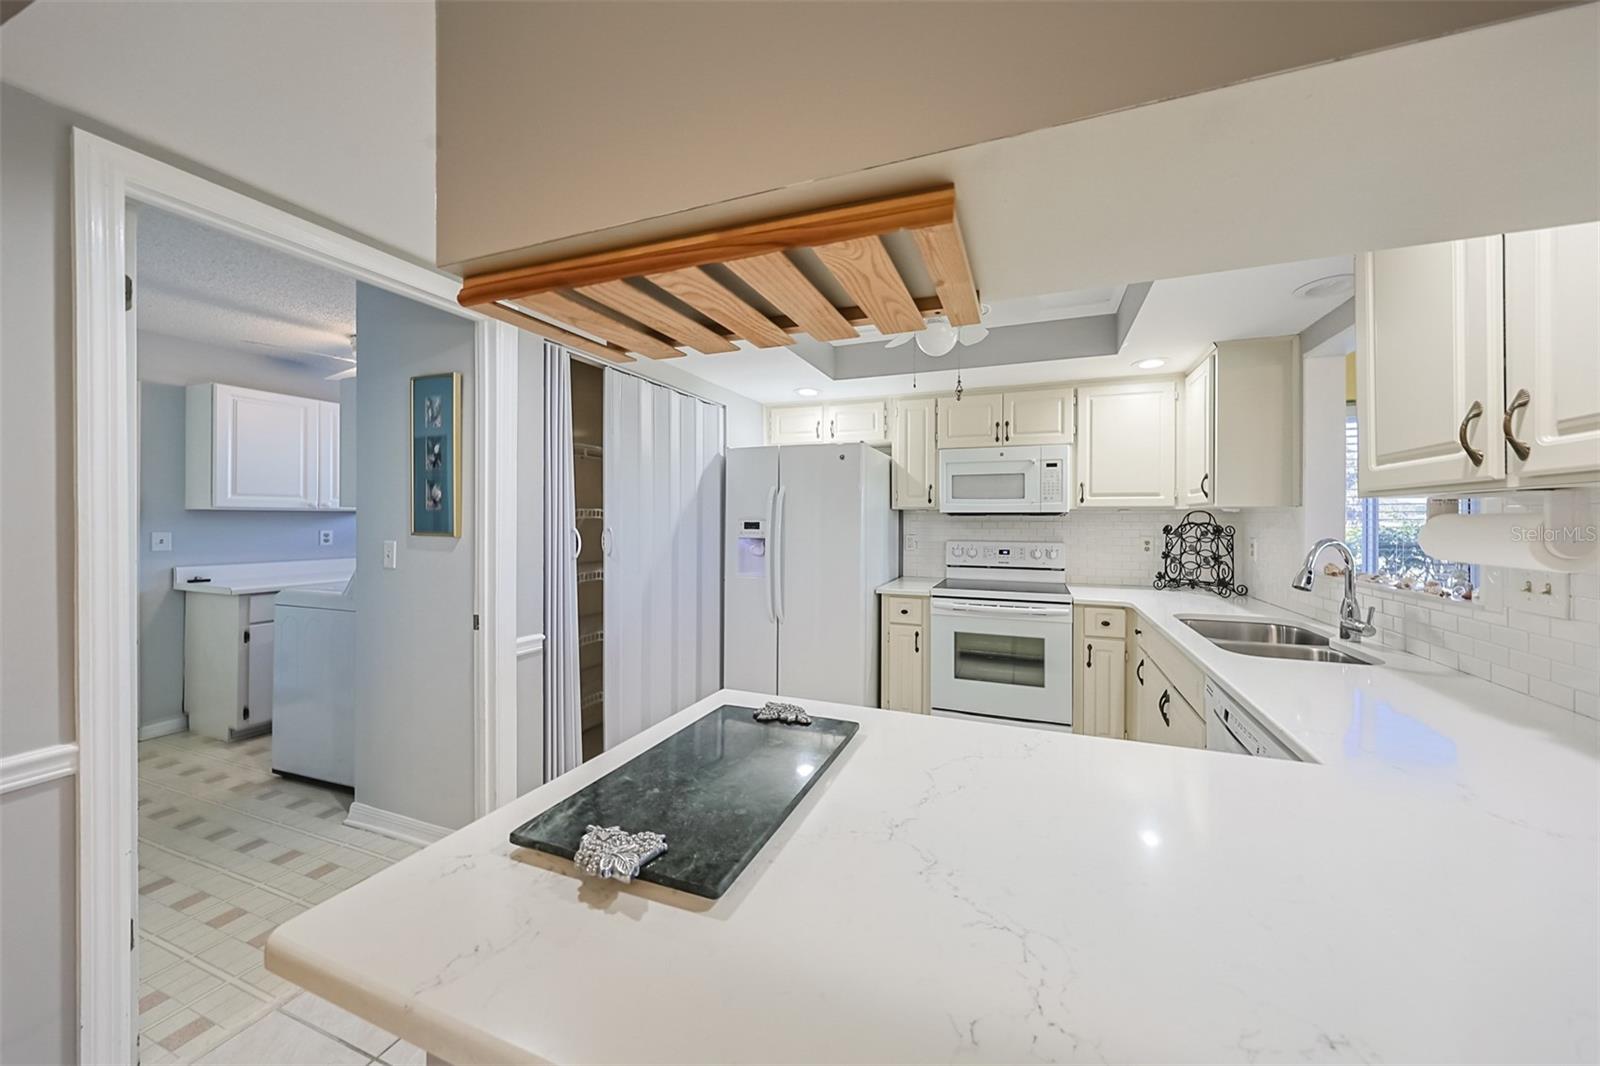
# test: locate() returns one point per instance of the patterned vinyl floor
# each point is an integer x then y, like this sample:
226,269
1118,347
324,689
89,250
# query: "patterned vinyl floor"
227,851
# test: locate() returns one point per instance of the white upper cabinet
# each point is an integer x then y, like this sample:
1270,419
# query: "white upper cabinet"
1037,416
863,422
1239,445
794,425
1127,447
916,459
857,423
1552,351
973,421
1478,363
328,464
252,450
1195,435
1429,357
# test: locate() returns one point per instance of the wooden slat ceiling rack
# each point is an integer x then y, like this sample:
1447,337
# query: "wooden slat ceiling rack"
653,299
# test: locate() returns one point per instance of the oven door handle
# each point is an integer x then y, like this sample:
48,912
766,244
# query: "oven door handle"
1001,610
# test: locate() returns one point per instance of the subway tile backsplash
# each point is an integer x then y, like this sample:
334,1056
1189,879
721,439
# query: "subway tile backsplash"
1553,660
1103,547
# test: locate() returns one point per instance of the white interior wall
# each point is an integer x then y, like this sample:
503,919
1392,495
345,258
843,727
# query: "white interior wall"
413,668
327,106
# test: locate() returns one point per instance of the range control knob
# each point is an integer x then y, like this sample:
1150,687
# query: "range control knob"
1036,553
1053,552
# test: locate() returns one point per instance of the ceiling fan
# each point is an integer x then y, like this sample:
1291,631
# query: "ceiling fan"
348,372
938,337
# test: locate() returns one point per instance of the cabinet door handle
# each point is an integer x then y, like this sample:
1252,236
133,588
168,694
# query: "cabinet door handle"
1161,705
1080,492
1138,672
1105,621
1088,663
997,433
1008,429
1474,413
1518,402
819,429
1204,478
916,641
930,493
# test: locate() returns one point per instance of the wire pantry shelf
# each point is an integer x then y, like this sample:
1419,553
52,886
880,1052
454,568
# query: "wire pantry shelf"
591,573
589,514
586,639
588,451
592,699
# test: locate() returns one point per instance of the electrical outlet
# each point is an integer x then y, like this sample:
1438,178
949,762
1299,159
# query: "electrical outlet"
1147,544
161,542
911,542
1254,545
391,552
324,537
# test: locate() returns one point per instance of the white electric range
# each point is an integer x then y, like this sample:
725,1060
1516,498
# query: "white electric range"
1002,634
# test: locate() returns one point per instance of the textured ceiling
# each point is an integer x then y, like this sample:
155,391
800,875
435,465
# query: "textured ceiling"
209,286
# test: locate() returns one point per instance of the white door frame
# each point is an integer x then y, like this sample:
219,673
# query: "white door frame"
105,177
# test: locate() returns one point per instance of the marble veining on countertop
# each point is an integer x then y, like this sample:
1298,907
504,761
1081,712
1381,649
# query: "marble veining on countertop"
961,891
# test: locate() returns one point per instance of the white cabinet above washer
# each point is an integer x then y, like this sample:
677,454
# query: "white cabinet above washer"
247,449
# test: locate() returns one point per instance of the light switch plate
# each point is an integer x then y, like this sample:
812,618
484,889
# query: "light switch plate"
391,552
161,542
1538,592
324,537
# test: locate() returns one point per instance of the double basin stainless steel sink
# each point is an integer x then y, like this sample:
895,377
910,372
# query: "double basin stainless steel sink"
1273,640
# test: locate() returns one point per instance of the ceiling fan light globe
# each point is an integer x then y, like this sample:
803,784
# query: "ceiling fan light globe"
937,339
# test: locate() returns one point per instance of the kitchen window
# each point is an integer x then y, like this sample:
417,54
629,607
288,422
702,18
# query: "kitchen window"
1383,532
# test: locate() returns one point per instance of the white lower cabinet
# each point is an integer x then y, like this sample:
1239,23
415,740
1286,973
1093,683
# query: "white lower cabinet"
903,669
1160,713
915,455
1127,444
1099,709
227,664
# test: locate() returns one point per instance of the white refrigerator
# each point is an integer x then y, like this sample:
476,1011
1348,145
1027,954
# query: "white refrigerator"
810,537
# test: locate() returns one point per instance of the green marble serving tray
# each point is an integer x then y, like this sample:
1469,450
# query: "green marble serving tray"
717,789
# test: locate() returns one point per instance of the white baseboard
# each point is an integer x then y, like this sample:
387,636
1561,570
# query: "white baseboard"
390,824
164,728
37,766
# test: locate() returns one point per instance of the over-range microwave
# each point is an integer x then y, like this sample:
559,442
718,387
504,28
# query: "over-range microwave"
1007,479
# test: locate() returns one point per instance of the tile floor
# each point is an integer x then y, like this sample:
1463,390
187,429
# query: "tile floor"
227,851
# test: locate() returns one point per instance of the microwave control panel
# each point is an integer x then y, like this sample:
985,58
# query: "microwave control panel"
1052,482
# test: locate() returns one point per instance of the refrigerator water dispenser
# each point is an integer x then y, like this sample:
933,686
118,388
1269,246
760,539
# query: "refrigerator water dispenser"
752,557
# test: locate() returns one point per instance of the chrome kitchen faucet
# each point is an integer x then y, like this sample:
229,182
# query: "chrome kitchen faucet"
1352,626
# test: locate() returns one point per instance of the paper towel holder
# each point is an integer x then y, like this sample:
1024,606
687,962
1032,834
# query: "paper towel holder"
1555,525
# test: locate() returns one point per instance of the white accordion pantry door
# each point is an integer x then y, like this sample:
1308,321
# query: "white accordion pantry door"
663,552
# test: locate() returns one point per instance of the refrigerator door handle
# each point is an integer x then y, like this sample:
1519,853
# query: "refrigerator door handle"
772,541
775,564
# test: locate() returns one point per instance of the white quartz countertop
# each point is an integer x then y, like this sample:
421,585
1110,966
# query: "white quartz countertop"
954,890
908,586
250,579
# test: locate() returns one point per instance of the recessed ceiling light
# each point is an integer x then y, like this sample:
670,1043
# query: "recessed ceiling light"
1332,285
1150,364
805,392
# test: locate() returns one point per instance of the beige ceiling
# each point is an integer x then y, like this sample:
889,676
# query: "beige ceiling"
558,119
